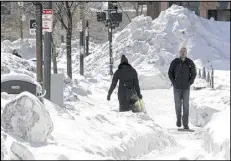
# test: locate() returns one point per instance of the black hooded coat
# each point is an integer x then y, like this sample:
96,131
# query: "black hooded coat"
127,75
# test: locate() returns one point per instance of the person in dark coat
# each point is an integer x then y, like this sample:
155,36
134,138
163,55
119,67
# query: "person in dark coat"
182,73
127,75
15,52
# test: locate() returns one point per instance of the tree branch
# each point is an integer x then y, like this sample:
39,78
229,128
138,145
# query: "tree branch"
124,12
75,7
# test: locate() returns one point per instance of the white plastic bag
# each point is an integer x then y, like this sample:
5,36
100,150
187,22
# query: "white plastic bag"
139,106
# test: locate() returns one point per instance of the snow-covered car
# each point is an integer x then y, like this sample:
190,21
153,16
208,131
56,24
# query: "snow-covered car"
18,83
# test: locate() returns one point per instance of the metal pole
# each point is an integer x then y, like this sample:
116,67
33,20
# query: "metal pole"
203,73
83,29
212,78
87,38
81,39
110,39
47,58
21,27
39,51
21,19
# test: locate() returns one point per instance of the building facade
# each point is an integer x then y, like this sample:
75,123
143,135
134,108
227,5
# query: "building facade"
220,11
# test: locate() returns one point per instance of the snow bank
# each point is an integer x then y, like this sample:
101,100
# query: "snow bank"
97,132
25,48
204,103
27,118
11,63
20,152
200,83
217,134
3,147
151,45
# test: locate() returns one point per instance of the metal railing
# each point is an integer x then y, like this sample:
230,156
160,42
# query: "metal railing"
207,75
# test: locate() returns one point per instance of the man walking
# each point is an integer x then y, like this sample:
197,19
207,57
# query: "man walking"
182,73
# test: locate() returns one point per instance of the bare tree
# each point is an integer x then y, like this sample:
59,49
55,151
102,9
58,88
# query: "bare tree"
64,12
142,9
120,6
136,7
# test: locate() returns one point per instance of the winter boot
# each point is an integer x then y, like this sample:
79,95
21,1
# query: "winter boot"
186,127
178,122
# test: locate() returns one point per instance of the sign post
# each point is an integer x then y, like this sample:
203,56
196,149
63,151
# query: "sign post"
47,28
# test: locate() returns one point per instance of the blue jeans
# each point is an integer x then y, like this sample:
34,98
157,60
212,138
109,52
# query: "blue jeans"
179,96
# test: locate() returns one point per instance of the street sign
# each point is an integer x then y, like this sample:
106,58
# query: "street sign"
32,27
47,20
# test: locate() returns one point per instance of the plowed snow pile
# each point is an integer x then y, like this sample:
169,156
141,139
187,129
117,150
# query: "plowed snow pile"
151,45
90,127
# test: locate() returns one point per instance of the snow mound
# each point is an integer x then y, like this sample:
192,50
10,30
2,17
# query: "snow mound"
11,63
202,110
3,147
25,48
20,152
206,102
200,83
217,134
62,157
130,134
151,45
27,118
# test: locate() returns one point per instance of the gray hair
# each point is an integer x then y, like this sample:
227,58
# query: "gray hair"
183,48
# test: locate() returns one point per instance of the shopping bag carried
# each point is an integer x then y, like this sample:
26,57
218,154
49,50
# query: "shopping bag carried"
139,106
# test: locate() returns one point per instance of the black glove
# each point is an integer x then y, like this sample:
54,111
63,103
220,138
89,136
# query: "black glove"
140,96
108,97
173,84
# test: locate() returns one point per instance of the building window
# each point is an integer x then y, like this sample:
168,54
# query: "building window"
212,13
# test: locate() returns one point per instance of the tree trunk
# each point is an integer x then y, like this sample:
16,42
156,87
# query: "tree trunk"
153,9
68,48
141,11
137,9
124,12
54,56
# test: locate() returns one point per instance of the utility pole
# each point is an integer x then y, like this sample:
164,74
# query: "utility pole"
82,51
87,38
39,51
111,18
21,27
47,57
110,38
21,19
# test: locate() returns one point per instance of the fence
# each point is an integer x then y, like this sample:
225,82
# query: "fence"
206,75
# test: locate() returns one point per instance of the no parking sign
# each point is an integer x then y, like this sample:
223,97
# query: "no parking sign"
47,20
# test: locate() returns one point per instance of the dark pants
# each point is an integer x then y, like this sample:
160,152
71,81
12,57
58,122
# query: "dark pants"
124,106
179,96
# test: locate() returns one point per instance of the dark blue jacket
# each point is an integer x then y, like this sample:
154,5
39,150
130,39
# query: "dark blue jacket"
182,73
